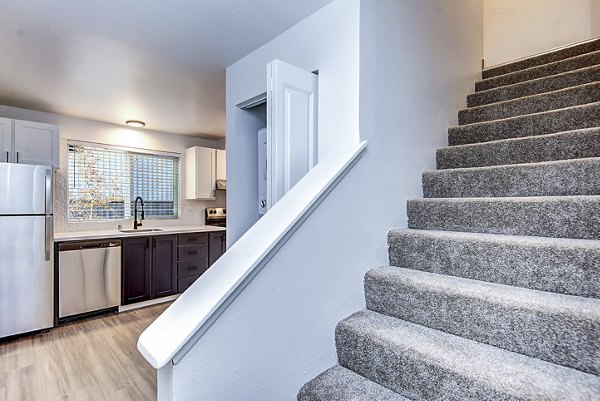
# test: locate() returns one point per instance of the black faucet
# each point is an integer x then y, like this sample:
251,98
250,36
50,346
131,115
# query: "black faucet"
135,211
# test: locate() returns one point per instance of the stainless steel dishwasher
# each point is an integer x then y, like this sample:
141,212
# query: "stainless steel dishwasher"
89,278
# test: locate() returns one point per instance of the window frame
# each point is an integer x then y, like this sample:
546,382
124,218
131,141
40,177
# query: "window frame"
134,150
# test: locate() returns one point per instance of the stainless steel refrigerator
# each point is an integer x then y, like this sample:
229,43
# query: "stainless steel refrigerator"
26,248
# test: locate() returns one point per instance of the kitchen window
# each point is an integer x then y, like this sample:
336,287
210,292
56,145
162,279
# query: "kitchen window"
105,180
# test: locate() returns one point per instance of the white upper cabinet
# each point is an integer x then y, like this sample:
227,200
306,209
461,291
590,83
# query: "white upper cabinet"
36,143
6,155
221,165
28,142
200,173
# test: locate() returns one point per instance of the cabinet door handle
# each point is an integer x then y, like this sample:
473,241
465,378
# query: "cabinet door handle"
193,239
153,242
193,268
7,155
193,252
147,243
17,157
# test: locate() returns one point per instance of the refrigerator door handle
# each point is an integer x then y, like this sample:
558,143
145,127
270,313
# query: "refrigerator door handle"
49,202
49,237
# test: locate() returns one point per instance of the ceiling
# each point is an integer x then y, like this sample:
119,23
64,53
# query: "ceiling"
162,62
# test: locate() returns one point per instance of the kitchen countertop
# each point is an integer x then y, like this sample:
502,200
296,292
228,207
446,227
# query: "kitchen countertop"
102,234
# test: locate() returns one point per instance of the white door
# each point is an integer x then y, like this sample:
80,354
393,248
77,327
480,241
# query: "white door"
6,152
291,127
36,143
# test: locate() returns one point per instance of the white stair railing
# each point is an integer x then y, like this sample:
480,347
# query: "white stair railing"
176,331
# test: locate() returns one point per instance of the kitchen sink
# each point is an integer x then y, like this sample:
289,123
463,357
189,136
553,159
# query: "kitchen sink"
141,230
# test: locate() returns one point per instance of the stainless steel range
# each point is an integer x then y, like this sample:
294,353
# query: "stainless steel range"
216,216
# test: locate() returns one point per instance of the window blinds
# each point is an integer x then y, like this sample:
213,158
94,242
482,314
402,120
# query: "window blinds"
104,181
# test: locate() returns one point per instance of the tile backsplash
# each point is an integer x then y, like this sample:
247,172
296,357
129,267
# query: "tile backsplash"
192,211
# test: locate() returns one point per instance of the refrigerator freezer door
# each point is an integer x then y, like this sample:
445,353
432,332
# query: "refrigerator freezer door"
24,189
26,277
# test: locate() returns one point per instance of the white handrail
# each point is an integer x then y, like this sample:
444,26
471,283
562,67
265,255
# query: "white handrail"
170,336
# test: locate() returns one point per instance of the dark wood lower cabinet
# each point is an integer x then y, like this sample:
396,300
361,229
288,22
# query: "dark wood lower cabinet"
149,268
136,270
163,265
217,246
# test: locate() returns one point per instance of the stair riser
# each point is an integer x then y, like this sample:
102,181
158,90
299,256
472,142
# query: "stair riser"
579,117
565,339
549,57
576,217
574,177
543,85
560,146
552,101
571,64
555,266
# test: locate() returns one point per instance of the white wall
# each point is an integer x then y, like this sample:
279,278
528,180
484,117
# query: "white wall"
595,14
418,60
192,212
515,29
326,41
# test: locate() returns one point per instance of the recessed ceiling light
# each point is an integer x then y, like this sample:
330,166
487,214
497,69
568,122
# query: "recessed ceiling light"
135,123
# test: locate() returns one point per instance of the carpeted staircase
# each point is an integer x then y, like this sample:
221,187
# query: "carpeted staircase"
494,290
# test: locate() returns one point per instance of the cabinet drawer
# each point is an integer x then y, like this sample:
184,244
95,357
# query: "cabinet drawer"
185,283
192,239
192,268
194,252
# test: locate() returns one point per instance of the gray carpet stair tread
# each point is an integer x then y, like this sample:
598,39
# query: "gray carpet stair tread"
556,216
554,178
570,64
423,363
577,144
341,384
561,265
548,122
547,57
557,328
551,83
568,97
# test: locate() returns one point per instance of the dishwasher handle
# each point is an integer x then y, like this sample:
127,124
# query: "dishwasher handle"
73,246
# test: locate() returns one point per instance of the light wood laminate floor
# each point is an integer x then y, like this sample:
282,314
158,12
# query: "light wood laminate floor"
95,359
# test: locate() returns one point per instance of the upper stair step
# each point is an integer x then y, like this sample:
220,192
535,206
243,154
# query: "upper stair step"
555,178
582,94
548,122
567,145
426,364
566,266
561,329
537,86
341,384
570,64
545,58
559,216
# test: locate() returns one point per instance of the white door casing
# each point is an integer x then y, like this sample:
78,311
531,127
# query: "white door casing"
291,127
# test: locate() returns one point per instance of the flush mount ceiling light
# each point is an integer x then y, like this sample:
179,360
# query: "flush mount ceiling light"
135,123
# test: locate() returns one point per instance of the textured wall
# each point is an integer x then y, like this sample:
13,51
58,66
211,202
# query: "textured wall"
519,28
326,41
